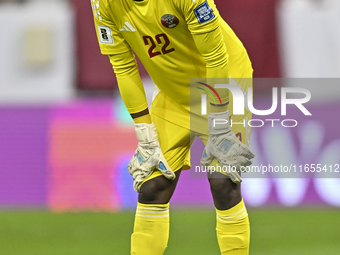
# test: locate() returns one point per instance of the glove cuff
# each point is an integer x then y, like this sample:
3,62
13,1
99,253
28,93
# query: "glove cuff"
218,122
146,133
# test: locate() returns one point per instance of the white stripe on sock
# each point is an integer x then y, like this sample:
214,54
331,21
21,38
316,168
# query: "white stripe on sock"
234,214
153,216
159,212
240,217
153,208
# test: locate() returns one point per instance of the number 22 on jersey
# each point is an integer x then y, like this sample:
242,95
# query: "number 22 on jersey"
162,40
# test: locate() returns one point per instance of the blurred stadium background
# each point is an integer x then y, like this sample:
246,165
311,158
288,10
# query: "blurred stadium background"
66,138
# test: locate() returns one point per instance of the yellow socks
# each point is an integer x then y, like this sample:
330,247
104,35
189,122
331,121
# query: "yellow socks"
233,232
151,231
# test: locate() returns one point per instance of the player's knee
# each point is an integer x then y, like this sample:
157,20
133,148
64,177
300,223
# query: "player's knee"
158,190
225,193
219,185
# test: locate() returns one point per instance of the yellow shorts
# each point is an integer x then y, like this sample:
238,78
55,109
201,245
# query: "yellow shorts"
175,141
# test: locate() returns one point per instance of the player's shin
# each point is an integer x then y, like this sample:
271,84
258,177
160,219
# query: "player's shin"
151,230
233,232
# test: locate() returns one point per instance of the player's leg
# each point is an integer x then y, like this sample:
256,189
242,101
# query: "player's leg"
225,193
232,223
158,190
151,229
232,226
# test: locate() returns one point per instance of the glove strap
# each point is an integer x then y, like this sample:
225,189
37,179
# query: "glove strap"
218,122
146,133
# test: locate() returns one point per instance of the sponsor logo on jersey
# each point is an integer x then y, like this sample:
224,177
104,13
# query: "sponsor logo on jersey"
105,35
204,13
169,21
128,27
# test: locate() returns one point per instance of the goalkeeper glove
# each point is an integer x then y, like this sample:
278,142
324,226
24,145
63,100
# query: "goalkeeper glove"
224,145
148,156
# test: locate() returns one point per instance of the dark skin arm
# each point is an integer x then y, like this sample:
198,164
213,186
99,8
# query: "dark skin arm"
141,117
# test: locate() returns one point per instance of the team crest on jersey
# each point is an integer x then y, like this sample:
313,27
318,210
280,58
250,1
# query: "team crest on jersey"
169,21
204,13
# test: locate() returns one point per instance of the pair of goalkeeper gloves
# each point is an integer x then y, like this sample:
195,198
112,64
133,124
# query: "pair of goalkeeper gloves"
222,144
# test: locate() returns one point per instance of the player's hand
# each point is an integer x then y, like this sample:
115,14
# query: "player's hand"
224,145
148,156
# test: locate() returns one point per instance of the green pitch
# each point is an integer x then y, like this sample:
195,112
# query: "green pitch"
192,232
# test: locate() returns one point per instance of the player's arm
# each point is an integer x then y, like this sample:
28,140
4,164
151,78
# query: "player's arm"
130,86
213,50
202,18
222,143
113,44
148,155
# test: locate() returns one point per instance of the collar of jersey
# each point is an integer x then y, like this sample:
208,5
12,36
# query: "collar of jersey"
141,2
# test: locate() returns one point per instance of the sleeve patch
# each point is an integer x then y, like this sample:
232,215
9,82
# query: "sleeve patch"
105,35
204,13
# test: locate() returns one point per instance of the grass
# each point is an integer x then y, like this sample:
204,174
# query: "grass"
192,231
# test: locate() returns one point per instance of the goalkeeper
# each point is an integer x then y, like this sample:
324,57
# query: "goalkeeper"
178,40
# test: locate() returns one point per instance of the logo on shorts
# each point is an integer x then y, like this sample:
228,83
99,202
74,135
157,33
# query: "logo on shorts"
169,21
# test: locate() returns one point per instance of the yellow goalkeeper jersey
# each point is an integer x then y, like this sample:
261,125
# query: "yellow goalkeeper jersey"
162,34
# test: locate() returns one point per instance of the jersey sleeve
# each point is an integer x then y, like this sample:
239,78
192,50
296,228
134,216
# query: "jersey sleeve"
213,50
129,82
203,19
201,16
112,43
109,37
